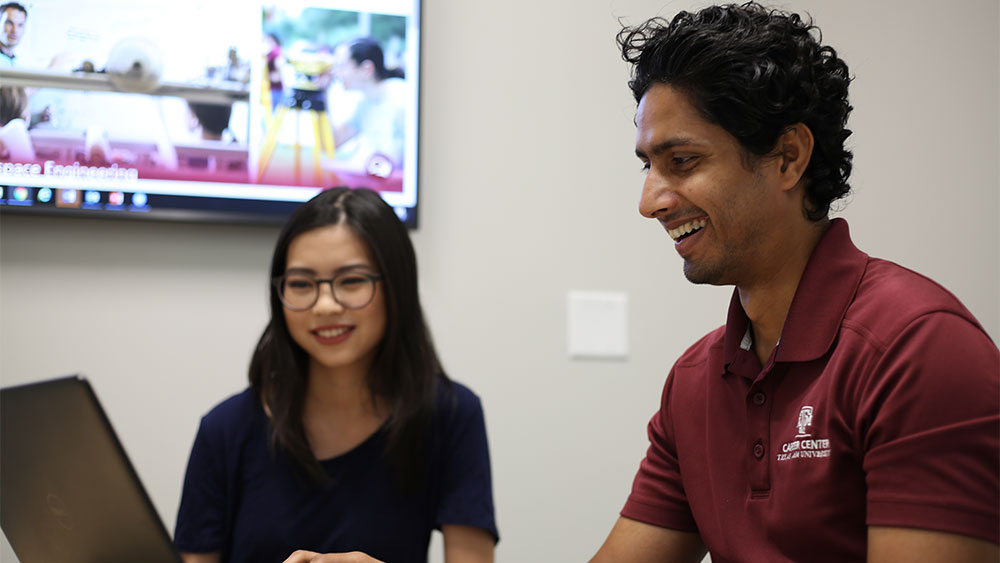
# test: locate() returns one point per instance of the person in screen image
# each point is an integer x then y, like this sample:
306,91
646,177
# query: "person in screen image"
849,408
210,120
351,443
377,127
15,141
274,60
12,20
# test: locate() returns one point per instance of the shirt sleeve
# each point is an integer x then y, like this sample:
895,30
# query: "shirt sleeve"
657,495
467,495
200,518
932,418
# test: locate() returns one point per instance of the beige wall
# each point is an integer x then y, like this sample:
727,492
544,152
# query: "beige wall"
529,190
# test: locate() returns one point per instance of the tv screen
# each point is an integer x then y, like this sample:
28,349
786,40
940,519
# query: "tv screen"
219,111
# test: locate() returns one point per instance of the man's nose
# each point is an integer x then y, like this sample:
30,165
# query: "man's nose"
658,196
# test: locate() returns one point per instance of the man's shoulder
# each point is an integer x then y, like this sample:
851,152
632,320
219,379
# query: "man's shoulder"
890,278
703,349
890,297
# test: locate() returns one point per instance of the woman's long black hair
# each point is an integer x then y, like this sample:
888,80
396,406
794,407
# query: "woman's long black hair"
406,368
368,49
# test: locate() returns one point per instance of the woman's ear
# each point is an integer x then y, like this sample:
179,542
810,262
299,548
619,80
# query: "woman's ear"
368,66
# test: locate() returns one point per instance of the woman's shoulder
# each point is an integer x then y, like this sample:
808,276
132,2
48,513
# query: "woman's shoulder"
396,89
234,412
16,124
455,399
16,141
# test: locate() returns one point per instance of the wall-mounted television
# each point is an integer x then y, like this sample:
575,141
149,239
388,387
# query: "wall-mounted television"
216,111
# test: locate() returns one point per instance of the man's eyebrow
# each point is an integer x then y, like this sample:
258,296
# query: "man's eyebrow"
664,146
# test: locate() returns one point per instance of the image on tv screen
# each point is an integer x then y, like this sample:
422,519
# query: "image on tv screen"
216,111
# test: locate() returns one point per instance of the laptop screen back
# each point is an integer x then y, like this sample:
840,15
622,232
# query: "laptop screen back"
68,493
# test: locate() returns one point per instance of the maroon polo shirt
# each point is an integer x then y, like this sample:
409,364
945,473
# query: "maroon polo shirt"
879,406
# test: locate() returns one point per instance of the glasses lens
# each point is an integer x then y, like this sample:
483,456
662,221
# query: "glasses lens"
298,292
353,291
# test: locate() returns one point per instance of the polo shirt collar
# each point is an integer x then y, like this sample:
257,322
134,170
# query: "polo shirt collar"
826,290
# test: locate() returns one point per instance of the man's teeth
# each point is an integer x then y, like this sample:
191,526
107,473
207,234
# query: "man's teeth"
686,228
332,333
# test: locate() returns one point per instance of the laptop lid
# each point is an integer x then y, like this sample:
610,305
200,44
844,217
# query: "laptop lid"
68,493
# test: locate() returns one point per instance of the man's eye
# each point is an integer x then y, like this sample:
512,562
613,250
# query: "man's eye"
684,162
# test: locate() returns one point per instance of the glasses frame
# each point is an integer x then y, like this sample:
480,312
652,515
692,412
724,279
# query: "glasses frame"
278,282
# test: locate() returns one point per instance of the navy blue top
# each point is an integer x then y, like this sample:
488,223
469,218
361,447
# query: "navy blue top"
251,504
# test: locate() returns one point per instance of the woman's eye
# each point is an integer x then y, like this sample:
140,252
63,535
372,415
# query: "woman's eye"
354,280
299,283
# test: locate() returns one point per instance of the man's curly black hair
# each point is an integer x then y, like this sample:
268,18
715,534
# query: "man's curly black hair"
753,71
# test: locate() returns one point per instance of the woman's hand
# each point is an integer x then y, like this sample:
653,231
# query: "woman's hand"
302,556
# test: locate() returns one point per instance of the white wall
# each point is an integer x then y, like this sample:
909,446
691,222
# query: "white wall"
529,190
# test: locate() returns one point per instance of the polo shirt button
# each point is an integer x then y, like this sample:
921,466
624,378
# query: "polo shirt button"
758,398
758,450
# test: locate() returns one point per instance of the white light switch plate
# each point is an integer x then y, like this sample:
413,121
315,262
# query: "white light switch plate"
597,324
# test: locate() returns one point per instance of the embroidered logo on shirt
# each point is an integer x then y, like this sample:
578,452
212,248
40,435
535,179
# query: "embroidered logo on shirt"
805,420
804,446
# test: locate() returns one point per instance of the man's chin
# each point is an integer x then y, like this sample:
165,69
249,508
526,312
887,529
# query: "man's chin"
702,275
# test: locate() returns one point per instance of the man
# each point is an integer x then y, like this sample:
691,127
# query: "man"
850,408
12,18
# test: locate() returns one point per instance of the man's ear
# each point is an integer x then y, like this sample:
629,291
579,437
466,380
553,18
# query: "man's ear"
793,150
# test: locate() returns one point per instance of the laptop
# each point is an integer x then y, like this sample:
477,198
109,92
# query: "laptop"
68,493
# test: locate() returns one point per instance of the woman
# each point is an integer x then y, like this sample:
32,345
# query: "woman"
15,141
274,61
377,126
350,437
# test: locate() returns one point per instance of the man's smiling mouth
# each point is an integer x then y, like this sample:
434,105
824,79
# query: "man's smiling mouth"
687,229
